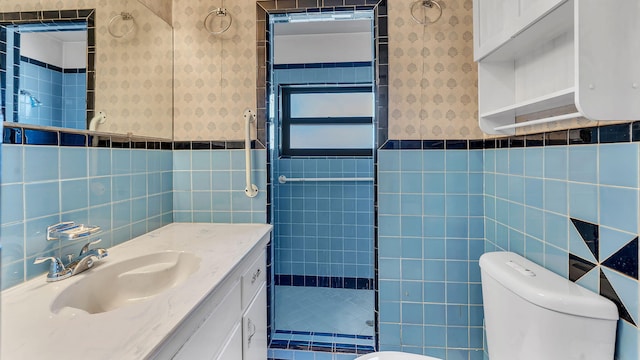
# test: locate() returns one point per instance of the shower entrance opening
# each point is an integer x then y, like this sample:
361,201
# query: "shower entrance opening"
322,139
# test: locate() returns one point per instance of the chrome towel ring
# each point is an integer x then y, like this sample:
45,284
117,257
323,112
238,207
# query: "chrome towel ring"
123,16
219,13
426,4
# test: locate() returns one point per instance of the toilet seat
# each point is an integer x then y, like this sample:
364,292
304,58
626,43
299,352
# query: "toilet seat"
394,355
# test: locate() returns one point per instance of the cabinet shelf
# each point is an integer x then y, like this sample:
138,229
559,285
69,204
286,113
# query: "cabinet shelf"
550,101
544,54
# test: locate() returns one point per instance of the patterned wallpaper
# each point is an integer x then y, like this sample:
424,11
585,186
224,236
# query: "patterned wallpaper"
162,8
133,74
215,75
432,75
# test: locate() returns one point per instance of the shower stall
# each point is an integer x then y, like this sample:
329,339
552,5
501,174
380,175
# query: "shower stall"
322,130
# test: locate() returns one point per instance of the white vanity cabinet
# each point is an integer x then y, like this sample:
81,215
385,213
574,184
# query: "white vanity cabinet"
233,348
254,328
231,323
539,55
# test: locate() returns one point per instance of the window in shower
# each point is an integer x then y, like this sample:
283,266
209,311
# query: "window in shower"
327,120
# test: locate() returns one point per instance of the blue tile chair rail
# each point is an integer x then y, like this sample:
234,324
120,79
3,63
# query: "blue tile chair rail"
19,134
607,134
324,281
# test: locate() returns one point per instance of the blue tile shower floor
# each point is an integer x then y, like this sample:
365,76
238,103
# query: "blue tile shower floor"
324,320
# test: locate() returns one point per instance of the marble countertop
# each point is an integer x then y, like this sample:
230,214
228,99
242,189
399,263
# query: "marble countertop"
31,331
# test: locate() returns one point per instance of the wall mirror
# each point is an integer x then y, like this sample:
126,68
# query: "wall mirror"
65,67
45,73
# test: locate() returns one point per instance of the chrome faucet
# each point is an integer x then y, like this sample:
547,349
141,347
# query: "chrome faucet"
57,271
84,261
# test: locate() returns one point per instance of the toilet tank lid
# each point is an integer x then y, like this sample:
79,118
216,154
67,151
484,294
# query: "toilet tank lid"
544,288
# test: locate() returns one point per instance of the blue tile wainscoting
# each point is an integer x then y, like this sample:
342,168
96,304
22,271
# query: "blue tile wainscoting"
126,191
431,235
560,199
209,182
128,188
572,207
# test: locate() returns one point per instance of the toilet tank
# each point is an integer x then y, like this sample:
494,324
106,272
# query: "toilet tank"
532,313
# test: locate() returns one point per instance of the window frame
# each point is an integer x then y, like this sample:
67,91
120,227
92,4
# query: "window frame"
287,121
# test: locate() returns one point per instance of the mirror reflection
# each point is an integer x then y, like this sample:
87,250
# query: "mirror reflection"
48,63
127,76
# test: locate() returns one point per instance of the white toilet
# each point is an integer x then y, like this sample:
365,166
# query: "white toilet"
532,313
394,355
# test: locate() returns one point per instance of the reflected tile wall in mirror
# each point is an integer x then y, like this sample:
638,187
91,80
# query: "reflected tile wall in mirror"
133,75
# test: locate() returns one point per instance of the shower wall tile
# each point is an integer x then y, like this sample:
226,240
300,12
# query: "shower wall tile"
33,200
325,229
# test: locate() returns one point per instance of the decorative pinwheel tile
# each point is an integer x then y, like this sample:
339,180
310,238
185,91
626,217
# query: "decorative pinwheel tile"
609,267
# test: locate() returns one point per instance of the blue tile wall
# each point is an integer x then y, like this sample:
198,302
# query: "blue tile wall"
74,100
209,186
333,235
43,185
596,184
324,228
46,86
61,92
431,235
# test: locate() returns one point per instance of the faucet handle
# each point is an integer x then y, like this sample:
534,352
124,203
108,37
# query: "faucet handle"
57,271
86,246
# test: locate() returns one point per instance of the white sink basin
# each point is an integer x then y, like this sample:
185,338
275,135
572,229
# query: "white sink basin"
111,286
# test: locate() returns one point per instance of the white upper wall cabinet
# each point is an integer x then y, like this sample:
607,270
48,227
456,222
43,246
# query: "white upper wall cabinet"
497,21
536,55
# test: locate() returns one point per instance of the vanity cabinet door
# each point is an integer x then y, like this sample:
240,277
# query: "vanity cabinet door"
253,278
254,328
209,339
232,350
